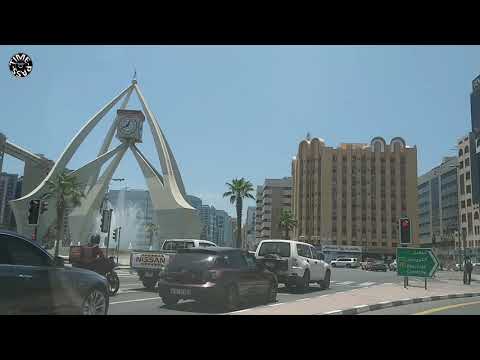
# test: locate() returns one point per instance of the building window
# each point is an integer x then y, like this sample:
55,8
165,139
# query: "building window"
384,244
469,189
476,216
374,244
467,175
461,165
469,202
460,152
466,150
463,204
464,218
467,162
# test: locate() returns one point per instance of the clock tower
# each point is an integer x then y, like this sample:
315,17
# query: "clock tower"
129,125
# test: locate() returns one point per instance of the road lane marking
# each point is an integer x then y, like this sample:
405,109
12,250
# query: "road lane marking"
239,311
442,308
368,283
346,283
136,300
277,304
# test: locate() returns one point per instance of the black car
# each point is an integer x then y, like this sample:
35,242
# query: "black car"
216,275
33,282
378,266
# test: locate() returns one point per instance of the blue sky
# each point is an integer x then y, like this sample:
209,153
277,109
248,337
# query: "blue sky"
233,111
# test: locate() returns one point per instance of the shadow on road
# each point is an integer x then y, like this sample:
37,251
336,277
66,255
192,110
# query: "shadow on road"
195,307
310,290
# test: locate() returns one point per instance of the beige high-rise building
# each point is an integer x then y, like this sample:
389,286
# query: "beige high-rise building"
355,194
272,197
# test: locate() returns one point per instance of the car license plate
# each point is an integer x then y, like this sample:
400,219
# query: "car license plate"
148,274
174,291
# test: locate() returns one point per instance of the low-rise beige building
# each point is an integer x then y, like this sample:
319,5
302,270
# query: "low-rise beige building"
355,194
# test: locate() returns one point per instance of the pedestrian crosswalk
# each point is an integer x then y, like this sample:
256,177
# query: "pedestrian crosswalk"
126,274
352,283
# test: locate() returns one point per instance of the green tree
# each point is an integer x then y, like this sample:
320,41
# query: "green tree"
287,222
150,229
68,193
238,190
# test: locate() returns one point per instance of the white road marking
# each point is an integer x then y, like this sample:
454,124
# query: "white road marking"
368,283
276,304
303,299
136,300
239,311
346,283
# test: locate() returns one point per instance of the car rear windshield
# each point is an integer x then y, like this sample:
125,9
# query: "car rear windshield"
191,261
279,248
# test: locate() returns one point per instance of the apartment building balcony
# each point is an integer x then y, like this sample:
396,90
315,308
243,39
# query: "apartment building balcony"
267,208
267,217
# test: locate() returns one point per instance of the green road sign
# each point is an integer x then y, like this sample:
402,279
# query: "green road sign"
416,262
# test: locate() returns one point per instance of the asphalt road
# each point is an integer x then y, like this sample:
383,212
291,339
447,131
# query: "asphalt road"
465,306
134,299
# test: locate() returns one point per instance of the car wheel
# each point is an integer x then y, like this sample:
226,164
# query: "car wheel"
113,282
170,300
231,298
325,283
150,283
289,286
306,281
95,303
272,293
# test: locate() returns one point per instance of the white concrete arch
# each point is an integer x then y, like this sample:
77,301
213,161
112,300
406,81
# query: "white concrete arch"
172,212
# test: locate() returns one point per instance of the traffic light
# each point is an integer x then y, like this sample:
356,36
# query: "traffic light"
33,212
44,206
114,235
405,232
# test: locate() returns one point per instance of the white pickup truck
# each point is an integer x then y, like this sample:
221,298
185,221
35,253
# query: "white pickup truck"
150,263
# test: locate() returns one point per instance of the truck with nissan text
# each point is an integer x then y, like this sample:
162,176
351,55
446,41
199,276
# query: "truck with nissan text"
150,263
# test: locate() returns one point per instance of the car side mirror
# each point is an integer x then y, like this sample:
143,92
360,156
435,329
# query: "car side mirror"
58,261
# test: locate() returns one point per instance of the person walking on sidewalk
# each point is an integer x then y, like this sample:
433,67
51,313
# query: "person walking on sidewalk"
467,275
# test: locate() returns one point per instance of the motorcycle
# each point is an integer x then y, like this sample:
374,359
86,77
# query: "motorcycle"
79,257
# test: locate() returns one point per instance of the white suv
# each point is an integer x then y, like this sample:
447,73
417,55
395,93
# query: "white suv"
345,262
294,263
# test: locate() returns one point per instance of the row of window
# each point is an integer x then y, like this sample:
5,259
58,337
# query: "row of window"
373,244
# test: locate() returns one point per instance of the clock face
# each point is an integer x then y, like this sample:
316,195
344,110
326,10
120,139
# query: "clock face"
127,126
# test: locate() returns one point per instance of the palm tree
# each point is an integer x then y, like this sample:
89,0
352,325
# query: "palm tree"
151,228
287,222
238,190
67,193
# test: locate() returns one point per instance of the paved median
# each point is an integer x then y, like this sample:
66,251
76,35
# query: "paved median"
361,300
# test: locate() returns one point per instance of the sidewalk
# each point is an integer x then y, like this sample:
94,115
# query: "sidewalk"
368,299
455,275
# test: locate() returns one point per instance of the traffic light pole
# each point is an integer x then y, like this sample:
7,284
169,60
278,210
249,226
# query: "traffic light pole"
118,241
108,233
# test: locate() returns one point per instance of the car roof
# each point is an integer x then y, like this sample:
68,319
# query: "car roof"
210,250
34,243
285,241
